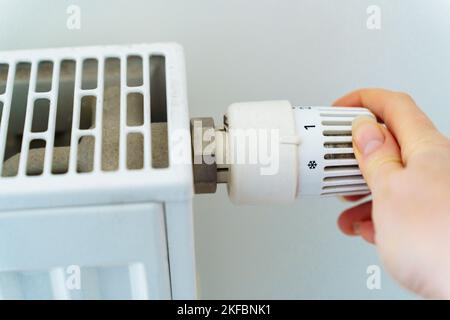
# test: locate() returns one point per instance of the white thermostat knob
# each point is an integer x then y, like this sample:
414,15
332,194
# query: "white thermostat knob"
326,160
270,152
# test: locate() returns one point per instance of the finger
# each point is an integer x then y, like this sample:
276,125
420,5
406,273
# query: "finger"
350,220
376,150
354,198
367,231
411,127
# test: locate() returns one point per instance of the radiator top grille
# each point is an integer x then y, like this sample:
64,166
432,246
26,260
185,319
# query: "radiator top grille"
85,113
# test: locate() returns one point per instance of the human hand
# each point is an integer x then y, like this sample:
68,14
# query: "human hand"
407,167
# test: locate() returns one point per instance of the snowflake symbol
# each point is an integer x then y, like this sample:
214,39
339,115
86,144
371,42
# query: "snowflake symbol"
312,164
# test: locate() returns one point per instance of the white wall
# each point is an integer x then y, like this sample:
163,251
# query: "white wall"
309,52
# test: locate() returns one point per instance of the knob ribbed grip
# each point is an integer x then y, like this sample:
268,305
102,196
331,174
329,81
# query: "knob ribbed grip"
327,164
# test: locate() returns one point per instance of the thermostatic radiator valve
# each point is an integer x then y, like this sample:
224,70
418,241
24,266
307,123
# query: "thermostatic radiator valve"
272,152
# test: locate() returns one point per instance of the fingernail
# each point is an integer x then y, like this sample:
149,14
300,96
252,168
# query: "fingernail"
356,227
367,134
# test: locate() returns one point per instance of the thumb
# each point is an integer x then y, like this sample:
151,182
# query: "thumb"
376,150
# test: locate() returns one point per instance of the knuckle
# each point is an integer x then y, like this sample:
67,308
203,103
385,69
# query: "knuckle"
446,143
416,146
403,96
429,141
380,162
378,172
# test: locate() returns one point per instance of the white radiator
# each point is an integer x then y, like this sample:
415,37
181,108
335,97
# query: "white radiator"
96,176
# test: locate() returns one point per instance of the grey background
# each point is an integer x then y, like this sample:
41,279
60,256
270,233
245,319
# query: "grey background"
309,52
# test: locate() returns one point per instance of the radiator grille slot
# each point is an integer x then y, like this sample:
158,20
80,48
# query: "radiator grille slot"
44,76
90,112
3,76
